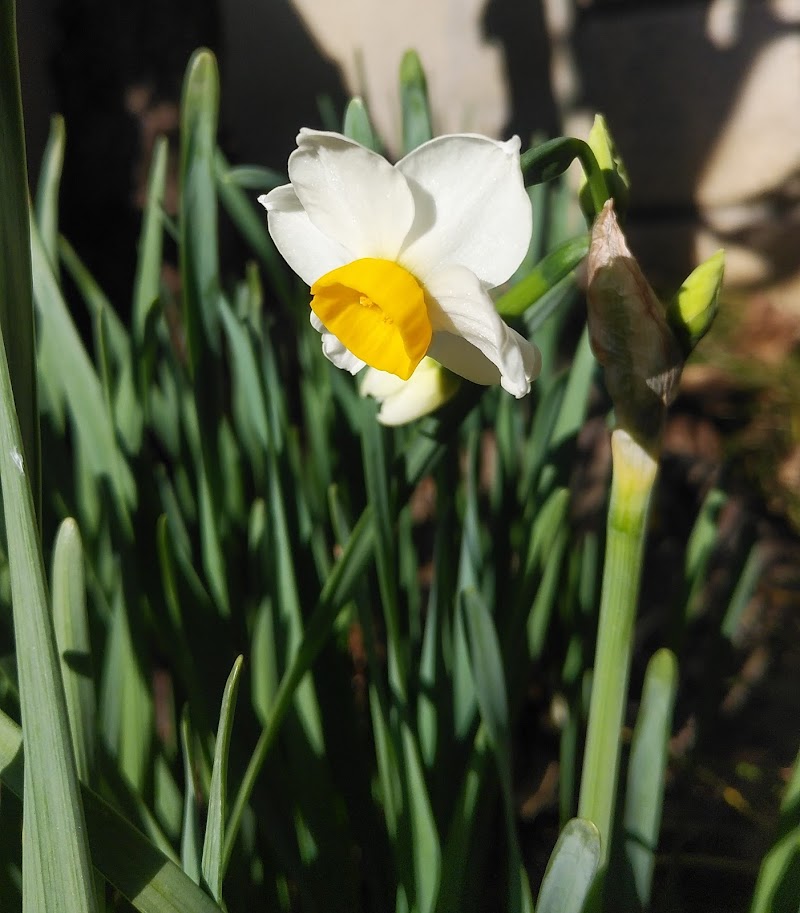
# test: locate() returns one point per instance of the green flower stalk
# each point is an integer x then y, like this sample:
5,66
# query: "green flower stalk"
634,474
642,356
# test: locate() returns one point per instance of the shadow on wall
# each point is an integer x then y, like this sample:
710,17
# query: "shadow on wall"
521,30
669,95
273,78
710,132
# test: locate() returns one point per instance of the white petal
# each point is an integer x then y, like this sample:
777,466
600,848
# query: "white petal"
472,208
471,339
309,253
334,351
352,195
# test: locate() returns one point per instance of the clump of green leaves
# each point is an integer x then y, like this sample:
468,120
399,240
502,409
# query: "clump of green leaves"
268,698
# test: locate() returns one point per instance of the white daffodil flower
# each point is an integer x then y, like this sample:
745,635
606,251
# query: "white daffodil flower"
403,401
400,258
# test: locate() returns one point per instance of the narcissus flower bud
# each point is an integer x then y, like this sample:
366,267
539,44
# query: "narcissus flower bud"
610,161
691,312
629,333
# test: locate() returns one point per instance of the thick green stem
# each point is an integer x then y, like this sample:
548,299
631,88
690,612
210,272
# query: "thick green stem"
634,472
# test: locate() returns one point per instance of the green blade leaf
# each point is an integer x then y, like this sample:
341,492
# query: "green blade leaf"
151,882
71,373
148,264
644,795
486,664
126,710
252,177
425,848
16,304
74,648
57,873
198,206
571,869
417,127
778,886
358,126
373,442
47,191
212,863
112,341
191,851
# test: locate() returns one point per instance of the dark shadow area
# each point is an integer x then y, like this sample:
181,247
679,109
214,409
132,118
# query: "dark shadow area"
102,53
521,30
115,73
272,79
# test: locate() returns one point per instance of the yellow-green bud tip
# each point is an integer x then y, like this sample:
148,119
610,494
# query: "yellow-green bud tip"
692,310
610,161
411,72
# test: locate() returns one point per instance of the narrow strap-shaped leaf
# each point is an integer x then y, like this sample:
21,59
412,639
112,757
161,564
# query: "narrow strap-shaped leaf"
198,212
644,795
191,851
417,127
213,842
425,849
57,874
287,604
126,710
487,671
199,268
358,126
490,687
47,190
571,869
148,264
74,647
16,304
248,400
151,882
373,442
252,177
72,372
113,351
778,886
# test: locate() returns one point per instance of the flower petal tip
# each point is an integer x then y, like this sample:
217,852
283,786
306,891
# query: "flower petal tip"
264,201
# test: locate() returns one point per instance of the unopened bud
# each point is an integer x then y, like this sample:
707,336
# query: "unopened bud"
611,164
629,333
691,312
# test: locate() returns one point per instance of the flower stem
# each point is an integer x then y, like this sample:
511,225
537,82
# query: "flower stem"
634,473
